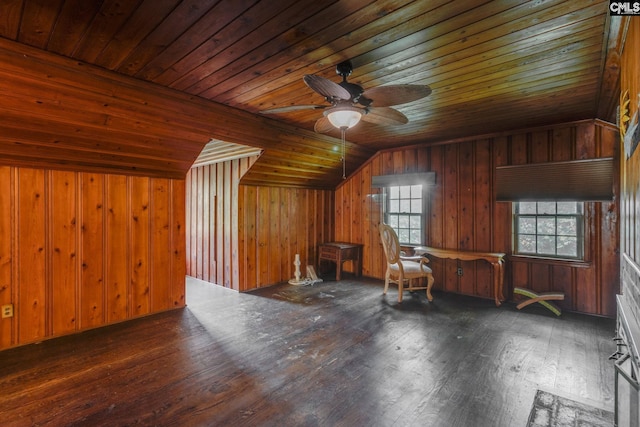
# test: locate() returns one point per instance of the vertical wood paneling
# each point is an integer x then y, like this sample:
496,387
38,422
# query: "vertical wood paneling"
7,288
482,215
178,241
117,251
228,213
248,225
252,232
64,241
30,260
67,263
465,218
463,213
140,249
92,293
630,171
160,240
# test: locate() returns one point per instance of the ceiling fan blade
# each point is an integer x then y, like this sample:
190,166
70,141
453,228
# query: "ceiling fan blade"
323,125
326,88
292,108
386,96
385,116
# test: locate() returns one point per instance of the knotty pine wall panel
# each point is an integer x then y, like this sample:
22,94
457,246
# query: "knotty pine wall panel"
630,170
463,214
245,236
92,237
118,270
67,238
160,242
30,310
275,223
140,248
64,243
7,204
212,226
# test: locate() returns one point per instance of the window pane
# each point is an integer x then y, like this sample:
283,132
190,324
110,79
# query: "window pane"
546,225
568,246
546,245
528,208
567,226
403,211
526,244
546,208
527,225
567,208
551,229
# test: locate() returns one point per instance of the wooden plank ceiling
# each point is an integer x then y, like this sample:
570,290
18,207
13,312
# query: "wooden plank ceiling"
492,66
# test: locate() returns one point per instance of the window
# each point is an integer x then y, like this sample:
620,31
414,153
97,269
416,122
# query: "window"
404,212
549,229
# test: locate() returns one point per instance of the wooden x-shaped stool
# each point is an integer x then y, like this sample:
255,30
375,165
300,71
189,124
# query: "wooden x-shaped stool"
542,298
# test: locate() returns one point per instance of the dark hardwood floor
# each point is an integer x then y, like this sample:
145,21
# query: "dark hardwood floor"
335,354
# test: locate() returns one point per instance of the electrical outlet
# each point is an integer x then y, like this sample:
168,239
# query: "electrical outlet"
460,271
7,311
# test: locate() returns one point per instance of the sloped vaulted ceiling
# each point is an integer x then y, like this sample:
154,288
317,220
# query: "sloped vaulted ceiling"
142,86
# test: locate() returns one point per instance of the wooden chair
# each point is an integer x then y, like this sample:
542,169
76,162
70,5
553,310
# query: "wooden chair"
401,269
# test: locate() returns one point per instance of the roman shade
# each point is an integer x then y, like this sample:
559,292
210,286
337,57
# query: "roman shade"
576,180
424,178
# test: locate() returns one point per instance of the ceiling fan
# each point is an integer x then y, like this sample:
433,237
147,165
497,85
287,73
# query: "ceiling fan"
349,102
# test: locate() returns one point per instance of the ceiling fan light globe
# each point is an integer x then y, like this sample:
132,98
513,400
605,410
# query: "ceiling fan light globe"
344,117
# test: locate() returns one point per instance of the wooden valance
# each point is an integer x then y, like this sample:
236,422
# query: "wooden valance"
424,178
577,180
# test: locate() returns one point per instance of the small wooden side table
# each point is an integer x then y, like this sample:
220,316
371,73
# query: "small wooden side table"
339,252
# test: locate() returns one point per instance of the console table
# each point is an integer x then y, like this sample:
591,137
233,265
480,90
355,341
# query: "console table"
338,253
495,259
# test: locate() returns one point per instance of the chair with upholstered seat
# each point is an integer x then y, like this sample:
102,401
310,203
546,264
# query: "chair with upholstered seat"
401,269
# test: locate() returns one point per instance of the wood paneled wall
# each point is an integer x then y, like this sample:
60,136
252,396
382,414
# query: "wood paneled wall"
212,222
630,198
463,213
277,223
244,236
81,250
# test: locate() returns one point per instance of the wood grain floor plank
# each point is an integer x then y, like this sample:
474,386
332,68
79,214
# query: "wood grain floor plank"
336,353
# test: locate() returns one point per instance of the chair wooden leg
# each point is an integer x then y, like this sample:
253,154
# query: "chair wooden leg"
429,285
386,284
400,288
